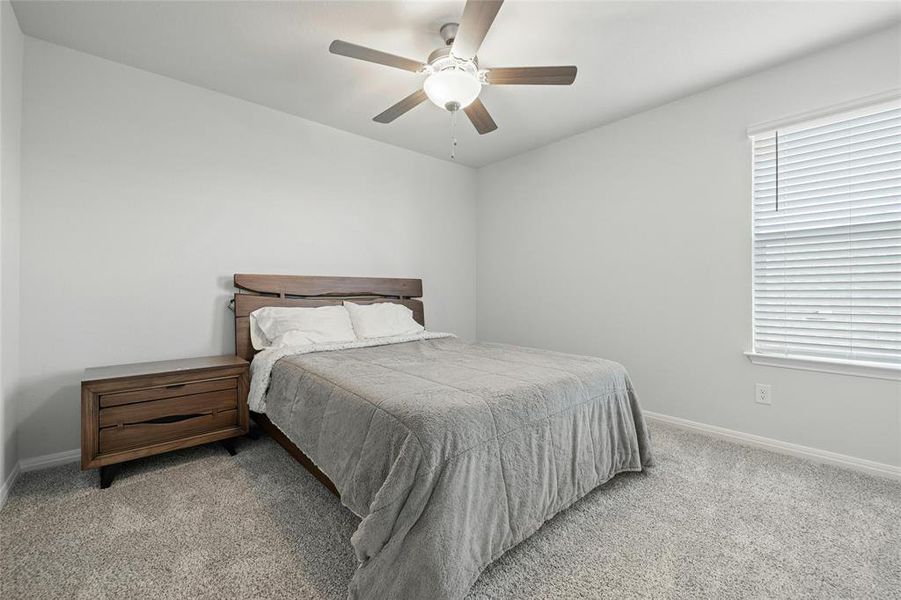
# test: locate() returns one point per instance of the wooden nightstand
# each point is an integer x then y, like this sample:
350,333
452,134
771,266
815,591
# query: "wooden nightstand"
132,411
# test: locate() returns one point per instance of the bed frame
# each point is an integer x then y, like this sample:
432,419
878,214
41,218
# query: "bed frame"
307,291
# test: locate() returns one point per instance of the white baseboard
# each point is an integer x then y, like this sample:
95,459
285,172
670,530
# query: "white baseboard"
33,464
49,460
8,485
821,456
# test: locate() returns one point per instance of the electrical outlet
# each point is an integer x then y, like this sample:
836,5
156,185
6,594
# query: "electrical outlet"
764,393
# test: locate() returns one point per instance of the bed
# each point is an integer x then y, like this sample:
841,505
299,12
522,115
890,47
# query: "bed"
449,452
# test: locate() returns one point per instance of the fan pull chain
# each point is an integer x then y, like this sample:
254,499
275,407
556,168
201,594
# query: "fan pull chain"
453,153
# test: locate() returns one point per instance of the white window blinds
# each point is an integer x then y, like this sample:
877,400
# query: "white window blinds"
827,238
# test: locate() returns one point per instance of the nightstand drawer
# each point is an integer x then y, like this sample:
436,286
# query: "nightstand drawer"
168,391
169,408
164,429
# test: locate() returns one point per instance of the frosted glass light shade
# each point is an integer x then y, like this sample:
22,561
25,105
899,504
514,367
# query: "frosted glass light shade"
452,89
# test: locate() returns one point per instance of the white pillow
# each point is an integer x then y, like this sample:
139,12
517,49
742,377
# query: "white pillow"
291,338
321,325
257,337
382,319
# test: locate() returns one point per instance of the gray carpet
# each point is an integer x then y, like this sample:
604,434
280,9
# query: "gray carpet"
711,520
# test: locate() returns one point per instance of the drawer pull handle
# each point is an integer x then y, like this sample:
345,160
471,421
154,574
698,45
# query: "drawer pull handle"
175,418
175,386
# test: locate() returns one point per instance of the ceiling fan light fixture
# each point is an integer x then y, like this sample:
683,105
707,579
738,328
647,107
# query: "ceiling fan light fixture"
452,89
453,77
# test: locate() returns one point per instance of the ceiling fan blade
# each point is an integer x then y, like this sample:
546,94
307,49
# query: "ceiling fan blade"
532,76
478,15
480,118
408,103
375,56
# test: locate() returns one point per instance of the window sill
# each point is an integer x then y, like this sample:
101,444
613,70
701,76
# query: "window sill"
857,369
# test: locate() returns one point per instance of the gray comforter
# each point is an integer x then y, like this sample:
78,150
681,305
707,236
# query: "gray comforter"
452,453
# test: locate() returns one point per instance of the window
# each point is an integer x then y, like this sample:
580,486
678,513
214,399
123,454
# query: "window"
827,239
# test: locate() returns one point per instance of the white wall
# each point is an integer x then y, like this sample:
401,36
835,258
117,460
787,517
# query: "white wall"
632,242
142,196
11,51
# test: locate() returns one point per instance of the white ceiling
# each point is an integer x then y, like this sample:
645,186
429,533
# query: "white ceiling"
631,56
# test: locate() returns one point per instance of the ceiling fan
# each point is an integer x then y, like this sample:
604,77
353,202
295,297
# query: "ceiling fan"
454,78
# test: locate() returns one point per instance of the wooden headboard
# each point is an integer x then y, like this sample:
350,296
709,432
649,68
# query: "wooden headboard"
296,290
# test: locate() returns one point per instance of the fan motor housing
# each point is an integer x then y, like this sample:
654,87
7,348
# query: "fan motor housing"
442,59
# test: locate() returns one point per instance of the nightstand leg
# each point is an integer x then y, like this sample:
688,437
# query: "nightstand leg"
107,474
230,446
